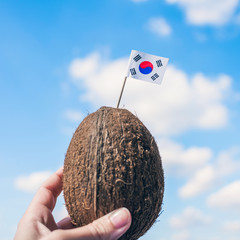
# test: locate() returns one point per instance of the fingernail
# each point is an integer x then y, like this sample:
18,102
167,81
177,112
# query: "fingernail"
120,218
59,170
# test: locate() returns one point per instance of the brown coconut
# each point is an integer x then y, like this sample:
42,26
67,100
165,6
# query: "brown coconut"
113,161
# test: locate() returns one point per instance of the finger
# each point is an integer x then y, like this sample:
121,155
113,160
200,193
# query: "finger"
49,191
65,223
109,227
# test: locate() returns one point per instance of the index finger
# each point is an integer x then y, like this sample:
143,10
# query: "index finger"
49,191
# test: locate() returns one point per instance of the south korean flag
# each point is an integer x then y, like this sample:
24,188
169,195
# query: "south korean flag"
146,67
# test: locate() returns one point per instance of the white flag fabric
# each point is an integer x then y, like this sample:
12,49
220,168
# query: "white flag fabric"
146,67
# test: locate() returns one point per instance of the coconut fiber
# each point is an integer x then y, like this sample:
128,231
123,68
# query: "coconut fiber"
113,161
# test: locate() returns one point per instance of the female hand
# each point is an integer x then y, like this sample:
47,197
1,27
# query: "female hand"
38,222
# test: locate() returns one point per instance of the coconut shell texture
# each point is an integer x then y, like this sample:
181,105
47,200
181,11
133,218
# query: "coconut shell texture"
113,161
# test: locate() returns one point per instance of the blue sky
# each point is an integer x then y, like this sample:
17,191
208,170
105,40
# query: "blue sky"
60,60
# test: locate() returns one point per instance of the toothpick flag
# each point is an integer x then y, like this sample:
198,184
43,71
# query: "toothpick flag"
146,67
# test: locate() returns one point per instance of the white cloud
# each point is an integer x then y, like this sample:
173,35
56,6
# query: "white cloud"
101,79
190,217
82,68
159,26
228,197
226,164
31,182
202,181
73,116
205,12
233,226
180,161
183,235
181,103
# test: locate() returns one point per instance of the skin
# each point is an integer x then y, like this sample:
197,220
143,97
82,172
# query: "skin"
38,221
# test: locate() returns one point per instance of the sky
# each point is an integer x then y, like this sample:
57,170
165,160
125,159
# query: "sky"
61,60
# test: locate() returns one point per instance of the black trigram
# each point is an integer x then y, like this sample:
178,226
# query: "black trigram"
137,58
154,76
159,63
133,71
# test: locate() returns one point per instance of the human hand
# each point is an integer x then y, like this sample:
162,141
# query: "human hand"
38,222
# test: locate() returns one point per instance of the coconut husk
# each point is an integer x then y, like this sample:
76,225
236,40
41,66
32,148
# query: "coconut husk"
113,161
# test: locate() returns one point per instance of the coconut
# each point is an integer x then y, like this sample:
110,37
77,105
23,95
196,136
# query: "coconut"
113,161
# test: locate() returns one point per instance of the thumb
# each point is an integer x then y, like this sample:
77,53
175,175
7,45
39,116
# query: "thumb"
109,227
112,226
